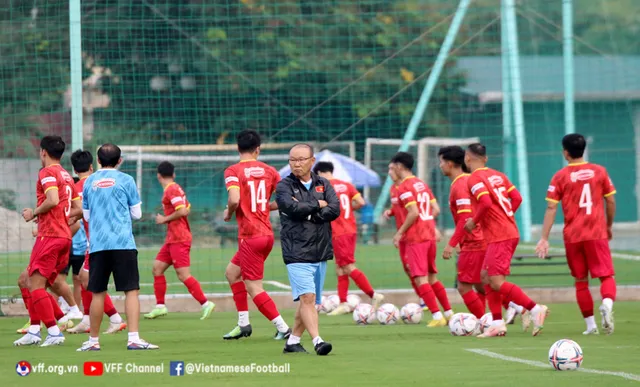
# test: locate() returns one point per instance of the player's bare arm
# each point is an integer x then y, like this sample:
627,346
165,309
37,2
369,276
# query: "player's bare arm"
273,206
412,216
542,248
180,213
233,202
76,209
74,228
435,210
357,202
611,213
50,202
388,214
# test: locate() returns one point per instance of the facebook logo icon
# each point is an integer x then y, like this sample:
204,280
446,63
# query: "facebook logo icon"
176,368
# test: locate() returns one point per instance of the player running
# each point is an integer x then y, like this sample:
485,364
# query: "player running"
498,200
344,234
57,200
418,233
177,245
584,188
82,162
250,184
472,245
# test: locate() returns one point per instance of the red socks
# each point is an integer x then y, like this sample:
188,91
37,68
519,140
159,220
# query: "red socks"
473,303
512,292
87,296
195,289
160,288
343,287
240,296
57,312
585,301
441,295
494,299
608,288
266,306
426,293
109,309
483,301
362,281
26,297
42,307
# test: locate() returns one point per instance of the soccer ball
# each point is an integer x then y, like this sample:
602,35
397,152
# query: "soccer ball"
463,324
353,300
411,313
330,303
485,322
387,314
363,314
565,355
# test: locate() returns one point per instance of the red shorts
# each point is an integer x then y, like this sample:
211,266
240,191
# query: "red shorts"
470,266
85,266
497,259
344,249
176,254
420,259
251,256
589,257
49,257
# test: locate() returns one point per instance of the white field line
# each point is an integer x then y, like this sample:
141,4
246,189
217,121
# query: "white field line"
276,284
540,364
628,257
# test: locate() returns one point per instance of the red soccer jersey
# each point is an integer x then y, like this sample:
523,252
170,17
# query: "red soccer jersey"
397,209
462,205
498,224
173,199
413,191
581,188
79,189
55,222
346,222
256,182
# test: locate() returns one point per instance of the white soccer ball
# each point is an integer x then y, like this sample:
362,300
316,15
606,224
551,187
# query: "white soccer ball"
485,322
411,313
353,300
387,314
463,324
363,314
330,303
565,355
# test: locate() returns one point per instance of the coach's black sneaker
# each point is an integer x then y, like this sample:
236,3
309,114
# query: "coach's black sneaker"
282,335
238,332
293,348
323,348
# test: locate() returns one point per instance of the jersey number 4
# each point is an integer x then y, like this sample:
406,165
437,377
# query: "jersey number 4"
585,199
258,195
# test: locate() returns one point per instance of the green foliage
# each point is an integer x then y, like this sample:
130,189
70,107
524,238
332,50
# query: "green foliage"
8,199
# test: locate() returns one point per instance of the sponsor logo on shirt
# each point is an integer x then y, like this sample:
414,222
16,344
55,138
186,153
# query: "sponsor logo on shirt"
551,188
65,175
582,175
394,200
254,172
103,183
419,186
406,195
231,179
476,187
462,202
340,188
48,179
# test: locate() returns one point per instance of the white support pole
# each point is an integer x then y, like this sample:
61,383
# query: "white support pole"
139,171
75,55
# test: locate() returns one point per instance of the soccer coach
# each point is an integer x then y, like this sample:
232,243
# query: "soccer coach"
110,201
307,204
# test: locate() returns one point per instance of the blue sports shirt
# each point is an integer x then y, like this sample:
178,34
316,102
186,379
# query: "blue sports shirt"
108,201
79,242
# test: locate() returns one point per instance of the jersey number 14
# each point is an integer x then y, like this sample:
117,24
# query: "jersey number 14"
258,195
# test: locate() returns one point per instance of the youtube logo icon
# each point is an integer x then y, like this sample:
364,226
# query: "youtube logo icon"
93,368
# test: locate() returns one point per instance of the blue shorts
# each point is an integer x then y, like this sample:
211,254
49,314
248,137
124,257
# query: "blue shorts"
307,278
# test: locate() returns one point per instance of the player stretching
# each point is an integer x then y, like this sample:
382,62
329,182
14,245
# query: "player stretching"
581,187
418,232
250,184
472,246
344,240
82,162
498,200
177,245
57,200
